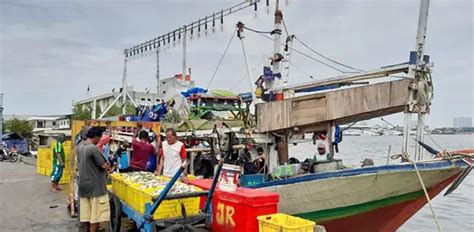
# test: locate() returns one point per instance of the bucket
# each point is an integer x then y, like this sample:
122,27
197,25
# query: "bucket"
229,178
279,96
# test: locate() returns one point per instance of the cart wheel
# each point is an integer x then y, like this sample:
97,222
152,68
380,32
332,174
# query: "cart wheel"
115,214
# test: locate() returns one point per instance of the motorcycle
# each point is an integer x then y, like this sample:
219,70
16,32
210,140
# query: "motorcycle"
8,154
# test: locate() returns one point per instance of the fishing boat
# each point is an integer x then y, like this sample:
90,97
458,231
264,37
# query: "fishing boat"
370,198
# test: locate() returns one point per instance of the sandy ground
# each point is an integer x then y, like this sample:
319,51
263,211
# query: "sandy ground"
27,204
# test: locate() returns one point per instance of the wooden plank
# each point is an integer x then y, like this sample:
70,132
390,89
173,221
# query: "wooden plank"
366,99
275,115
341,106
308,111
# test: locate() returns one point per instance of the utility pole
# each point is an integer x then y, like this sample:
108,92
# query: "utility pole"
158,71
184,54
124,87
1,118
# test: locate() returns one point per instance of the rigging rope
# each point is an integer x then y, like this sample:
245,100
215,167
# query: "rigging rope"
257,31
325,57
427,196
222,58
308,56
284,26
299,69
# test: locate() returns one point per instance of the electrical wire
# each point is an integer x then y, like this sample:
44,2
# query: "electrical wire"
299,69
257,31
327,58
308,56
221,59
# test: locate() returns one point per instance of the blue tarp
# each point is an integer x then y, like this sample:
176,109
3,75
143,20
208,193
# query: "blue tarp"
319,88
192,91
13,139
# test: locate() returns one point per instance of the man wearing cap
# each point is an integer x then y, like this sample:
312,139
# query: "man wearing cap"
322,155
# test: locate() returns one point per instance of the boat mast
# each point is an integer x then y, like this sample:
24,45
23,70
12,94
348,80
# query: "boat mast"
419,92
276,83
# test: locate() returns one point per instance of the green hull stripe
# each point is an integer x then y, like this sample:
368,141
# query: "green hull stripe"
330,214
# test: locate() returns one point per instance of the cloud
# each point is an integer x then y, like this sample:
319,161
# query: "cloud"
50,51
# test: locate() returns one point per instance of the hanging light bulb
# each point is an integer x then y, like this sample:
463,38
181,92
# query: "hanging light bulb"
174,38
205,26
268,6
213,22
222,20
199,28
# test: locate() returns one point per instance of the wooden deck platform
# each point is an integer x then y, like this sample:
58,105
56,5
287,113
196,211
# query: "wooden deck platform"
314,112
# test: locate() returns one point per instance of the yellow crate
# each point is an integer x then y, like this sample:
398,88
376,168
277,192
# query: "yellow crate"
136,197
64,180
41,171
168,208
284,223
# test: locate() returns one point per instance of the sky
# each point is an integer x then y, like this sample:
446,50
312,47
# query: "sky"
51,51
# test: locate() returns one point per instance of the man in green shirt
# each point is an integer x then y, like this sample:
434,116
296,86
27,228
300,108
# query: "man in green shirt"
58,164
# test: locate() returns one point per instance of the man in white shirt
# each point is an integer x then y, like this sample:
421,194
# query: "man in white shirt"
172,155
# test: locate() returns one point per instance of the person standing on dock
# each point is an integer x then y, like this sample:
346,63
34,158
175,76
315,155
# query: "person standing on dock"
94,199
142,149
58,164
172,155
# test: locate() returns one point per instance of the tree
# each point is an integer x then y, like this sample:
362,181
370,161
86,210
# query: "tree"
113,111
98,111
21,127
81,113
130,109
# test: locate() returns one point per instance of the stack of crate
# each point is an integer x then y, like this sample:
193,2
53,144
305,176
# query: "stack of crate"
44,162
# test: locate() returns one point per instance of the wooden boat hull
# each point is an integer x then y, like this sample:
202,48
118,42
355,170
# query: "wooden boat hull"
364,199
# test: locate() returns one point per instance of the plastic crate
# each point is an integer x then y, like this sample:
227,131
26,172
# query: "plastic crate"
284,223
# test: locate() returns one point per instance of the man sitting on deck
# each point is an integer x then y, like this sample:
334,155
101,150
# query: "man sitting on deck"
172,155
322,155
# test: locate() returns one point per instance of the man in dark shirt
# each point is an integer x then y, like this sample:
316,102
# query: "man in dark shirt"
142,149
94,200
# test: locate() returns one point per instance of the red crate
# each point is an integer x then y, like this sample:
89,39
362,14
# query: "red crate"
238,211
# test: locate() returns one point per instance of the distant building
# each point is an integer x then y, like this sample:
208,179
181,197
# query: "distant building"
174,83
104,100
142,98
50,122
462,122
